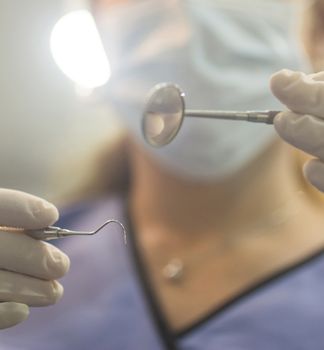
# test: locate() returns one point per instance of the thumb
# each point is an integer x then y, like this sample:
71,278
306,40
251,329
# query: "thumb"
23,210
12,313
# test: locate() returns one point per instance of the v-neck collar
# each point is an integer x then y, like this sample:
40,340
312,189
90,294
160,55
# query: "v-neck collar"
168,337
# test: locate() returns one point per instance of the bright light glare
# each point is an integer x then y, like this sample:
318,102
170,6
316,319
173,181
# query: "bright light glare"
78,51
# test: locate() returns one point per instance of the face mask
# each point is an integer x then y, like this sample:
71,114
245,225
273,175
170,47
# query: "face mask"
221,53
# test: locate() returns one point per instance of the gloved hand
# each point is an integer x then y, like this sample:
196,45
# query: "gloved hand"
28,268
303,124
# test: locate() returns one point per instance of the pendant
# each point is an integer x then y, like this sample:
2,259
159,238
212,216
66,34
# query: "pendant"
173,270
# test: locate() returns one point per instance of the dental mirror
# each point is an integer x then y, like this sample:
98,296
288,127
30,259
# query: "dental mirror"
164,113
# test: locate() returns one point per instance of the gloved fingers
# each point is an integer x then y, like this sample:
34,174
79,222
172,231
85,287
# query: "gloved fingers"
20,209
23,254
302,131
301,93
314,173
317,76
12,313
28,290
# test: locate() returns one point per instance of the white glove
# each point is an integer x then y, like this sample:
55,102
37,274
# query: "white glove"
303,125
28,268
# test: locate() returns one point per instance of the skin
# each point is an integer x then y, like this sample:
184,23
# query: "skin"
177,218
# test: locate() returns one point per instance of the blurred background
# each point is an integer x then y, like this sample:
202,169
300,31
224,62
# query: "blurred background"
47,129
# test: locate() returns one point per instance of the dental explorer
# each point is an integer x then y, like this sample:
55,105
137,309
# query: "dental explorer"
52,232
164,113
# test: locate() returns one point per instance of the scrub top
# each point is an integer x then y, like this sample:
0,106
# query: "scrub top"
109,305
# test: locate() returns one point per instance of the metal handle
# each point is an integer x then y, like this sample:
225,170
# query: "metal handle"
53,232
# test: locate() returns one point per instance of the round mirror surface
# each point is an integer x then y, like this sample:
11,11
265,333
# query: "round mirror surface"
163,114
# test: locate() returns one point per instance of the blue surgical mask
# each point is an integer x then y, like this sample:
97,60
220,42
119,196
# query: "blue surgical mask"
221,53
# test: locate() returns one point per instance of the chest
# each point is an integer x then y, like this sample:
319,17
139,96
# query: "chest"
205,287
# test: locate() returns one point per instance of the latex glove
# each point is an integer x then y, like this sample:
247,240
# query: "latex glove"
28,268
303,125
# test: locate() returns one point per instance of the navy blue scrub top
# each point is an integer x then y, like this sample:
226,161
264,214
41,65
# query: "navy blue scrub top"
109,305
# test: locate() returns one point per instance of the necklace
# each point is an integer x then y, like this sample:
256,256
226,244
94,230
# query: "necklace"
175,270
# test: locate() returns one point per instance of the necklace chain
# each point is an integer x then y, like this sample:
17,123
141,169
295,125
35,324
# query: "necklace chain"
175,269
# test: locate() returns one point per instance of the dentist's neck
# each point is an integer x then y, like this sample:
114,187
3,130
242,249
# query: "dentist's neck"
158,198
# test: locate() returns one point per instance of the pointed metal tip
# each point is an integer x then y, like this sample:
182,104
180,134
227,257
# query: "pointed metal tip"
109,222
